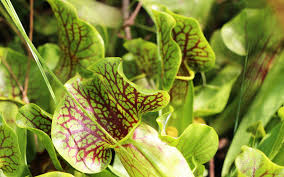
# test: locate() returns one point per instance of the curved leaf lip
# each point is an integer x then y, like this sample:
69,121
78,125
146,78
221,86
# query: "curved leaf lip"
116,106
79,40
196,51
169,51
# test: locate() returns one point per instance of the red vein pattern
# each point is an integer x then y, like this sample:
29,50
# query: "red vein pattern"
114,103
80,42
196,51
33,116
9,152
169,51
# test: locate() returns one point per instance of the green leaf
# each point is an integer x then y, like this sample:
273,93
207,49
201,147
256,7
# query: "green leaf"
152,157
98,13
13,70
252,162
281,113
188,8
240,31
33,118
256,130
212,98
196,52
80,43
272,142
181,94
56,174
167,133
146,56
116,106
268,99
198,141
10,155
169,51
51,53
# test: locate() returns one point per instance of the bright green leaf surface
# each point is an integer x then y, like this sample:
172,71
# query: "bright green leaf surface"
269,98
212,98
146,56
33,118
118,168
56,174
115,104
198,141
252,162
80,43
98,13
147,155
169,51
51,53
181,94
10,155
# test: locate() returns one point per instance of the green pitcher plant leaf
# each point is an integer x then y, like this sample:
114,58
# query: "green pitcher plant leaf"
146,56
115,103
13,68
196,51
56,174
167,133
169,51
252,162
198,141
267,101
153,157
118,168
182,98
10,155
33,118
80,43
212,98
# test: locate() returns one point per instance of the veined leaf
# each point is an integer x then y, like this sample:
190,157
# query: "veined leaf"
118,168
196,51
146,55
33,118
182,98
198,141
115,104
13,70
268,99
10,155
169,51
153,157
80,43
252,162
212,98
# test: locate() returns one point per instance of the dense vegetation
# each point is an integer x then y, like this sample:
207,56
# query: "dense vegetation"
166,88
